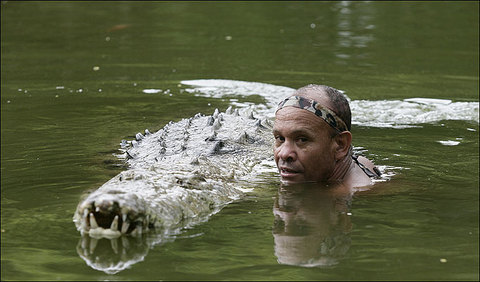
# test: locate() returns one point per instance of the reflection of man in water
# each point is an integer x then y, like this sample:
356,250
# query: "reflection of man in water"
313,142
312,225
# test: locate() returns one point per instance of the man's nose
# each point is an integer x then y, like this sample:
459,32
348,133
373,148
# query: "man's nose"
287,152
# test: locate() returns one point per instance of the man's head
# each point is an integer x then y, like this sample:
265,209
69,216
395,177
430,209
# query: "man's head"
312,134
330,98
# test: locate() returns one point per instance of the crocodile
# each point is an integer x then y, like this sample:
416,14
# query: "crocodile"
186,169
181,174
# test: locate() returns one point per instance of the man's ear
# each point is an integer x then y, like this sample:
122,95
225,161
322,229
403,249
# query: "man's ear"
343,141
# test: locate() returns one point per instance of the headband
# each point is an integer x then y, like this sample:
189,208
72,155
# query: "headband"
313,106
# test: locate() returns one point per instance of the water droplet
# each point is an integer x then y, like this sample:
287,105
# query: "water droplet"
228,37
443,260
312,25
96,68
107,38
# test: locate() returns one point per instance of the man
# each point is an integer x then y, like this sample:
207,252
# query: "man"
313,142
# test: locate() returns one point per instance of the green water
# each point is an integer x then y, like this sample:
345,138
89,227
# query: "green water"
62,119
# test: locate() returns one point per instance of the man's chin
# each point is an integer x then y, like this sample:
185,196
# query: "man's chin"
297,178
292,180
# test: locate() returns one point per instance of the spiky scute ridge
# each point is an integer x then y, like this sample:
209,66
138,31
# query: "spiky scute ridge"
178,175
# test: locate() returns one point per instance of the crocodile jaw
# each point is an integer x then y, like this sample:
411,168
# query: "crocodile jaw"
112,214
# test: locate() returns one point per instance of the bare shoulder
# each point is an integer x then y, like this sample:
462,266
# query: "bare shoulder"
358,176
366,162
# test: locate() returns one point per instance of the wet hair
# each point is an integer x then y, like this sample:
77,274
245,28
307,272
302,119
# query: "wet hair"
337,98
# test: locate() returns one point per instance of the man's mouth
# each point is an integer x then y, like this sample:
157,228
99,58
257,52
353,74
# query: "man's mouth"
288,173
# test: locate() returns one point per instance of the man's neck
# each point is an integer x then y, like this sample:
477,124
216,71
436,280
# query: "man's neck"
342,167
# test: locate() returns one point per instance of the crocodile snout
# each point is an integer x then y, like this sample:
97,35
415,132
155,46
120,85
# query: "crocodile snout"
109,218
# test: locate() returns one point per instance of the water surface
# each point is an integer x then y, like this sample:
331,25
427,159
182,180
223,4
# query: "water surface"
73,80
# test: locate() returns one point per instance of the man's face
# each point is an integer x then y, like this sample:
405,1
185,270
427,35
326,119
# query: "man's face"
304,147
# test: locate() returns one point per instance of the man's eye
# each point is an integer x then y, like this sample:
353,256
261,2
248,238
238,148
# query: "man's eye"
302,139
279,138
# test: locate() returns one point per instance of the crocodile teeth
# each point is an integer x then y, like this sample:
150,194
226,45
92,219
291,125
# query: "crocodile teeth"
229,110
124,217
97,209
93,222
139,136
114,225
147,222
125,227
